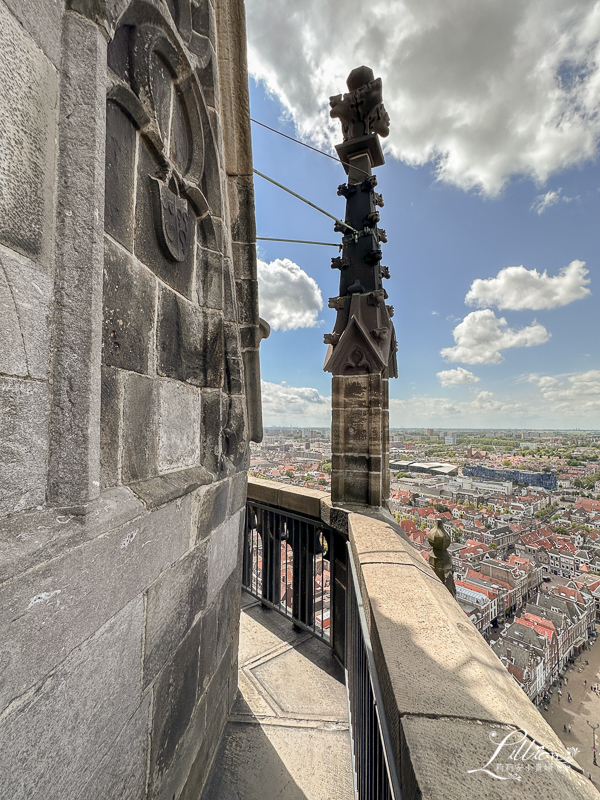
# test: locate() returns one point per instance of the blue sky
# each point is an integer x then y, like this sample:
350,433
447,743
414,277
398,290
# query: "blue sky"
524,352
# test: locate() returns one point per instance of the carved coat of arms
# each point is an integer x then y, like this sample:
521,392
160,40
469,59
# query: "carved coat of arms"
171,220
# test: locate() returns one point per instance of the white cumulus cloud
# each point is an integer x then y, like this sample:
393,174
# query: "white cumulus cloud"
545,201
288,298
283,405
456,377
484,90
482,335
518,288
574,396
484,409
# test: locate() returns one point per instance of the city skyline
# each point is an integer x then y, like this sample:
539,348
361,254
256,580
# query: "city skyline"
492,263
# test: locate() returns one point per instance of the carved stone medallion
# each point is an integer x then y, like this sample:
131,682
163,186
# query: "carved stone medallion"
171,220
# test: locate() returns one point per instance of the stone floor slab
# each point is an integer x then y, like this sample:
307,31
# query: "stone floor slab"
288,734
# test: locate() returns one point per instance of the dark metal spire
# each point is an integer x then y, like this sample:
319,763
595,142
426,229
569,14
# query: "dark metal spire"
363,339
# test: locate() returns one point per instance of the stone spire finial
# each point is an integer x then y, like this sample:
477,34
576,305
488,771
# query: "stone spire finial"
439,558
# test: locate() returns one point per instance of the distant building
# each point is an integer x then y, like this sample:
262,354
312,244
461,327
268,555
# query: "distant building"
546,480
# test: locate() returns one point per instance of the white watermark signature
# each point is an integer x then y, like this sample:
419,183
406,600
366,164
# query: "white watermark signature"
516,753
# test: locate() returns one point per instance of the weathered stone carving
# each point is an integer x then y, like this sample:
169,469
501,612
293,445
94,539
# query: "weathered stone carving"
439,557
361,111
171,220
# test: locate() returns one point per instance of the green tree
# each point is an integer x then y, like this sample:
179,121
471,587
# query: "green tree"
507,463
326,467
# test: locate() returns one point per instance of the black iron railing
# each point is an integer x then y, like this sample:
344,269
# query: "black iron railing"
374,765
288,565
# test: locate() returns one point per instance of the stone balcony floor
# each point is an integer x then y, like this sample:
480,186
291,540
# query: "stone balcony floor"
288,735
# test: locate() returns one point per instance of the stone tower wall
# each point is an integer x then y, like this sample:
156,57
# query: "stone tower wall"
129,390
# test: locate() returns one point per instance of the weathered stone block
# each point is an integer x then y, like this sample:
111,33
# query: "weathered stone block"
264,491
241,205
54,608
122,772
174,701
465,747
33,537
211,429
44,26
179,338
189,342
204,22
209,233
129,311
247,301
224,553
208,647
210,278
229,614
355,487
140,421
234,372
244,261
121,141
89,699
173,602
337,392
110,426
179,420
173,783
341,462
74,459
211,506
237,492
235,432
177,274
25,298
164,488
356,431
356,391
229,298
214,357
250,336
13,360
28,109
23,444
217,699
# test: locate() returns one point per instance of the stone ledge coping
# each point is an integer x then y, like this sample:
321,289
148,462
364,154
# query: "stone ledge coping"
449,701
296,499
164,488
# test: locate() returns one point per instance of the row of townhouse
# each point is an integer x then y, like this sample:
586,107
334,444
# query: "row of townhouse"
502,586
566,556
551,629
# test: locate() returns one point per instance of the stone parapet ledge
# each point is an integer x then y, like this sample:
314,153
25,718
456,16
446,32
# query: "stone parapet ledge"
295,499
449,701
